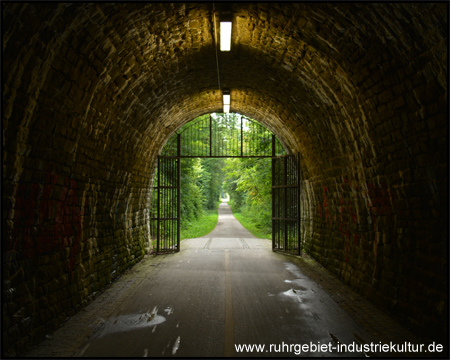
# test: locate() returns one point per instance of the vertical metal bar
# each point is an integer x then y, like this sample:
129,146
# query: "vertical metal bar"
178,195
235,141
230,151
258,141
299,238
285,205
172,204
273,194
158,207
164,203
211,135
252,130
167,204
242,136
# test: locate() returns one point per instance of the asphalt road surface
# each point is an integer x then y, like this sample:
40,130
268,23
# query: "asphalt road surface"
221,291
223,295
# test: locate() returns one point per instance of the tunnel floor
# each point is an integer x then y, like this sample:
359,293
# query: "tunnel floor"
224,290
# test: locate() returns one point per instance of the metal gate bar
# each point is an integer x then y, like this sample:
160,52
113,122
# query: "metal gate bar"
286,204
227,137
168,203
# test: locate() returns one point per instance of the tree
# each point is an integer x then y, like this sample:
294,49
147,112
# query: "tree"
248,182
211,181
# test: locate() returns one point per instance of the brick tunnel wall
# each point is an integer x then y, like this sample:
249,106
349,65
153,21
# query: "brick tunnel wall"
91,92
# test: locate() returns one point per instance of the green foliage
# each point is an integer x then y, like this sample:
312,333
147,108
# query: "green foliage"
251,226
248,182
192,197
211,181
200,227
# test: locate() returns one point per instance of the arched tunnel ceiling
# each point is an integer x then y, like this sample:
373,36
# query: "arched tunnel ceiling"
92,91
309,72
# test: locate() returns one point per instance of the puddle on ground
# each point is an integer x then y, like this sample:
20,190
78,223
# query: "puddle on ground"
301,283
293,269
169,310
297,283
302,294
294,293
176,346
129,322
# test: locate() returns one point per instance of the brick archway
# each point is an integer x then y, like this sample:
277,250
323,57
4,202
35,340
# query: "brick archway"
91,92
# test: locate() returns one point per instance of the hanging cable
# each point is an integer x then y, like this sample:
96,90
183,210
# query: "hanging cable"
215,44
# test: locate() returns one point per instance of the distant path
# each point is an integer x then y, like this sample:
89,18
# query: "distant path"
228,226
228,234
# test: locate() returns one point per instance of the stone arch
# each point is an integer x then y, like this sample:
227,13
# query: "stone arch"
92,92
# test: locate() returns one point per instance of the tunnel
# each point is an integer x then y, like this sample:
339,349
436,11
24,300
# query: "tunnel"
93,91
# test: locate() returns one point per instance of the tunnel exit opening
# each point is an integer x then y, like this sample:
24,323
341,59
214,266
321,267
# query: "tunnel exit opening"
227,136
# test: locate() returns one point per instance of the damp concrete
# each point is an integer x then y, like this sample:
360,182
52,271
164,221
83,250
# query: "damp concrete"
224,290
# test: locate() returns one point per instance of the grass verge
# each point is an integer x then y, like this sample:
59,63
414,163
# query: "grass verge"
250,226
200,227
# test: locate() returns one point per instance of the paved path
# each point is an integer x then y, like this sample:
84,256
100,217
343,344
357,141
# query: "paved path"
225,289
228,234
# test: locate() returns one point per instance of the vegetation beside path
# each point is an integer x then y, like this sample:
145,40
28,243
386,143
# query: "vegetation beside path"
201,226
251,226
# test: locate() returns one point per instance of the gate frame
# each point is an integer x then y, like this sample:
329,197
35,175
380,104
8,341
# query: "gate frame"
295,161
159,219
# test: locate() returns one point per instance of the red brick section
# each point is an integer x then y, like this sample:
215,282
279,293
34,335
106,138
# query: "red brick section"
91,92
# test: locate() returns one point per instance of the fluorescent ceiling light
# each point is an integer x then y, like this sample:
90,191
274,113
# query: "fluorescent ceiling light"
226,100
225,35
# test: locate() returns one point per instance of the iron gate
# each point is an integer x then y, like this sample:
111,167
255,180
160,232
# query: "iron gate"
168,204
243,138
286,204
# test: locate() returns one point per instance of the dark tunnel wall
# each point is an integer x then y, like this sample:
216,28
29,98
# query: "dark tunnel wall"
91,92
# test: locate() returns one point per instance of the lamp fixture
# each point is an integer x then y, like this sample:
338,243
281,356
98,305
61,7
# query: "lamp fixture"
226,101
225,35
